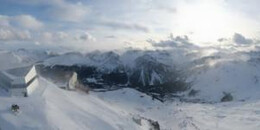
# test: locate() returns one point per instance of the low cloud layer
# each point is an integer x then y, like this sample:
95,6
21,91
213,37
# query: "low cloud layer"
68,12
240,39
86,37
13,34
173,41
18,27
26,22
20,21
125,26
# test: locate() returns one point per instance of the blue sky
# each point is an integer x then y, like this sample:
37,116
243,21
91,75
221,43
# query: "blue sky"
113,24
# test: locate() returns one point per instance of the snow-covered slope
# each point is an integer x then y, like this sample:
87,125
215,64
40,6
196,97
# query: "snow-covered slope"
54,108
227,72
188,116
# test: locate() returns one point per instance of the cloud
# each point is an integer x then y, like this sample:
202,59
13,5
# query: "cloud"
125,26
17,27
64,38
163,6
20,21
68,12
110,37
71,40
56,10
47,36
12,34
168,9
178,41
86,37
4,21
33,2
240,39
59,22
62,35
53,37
222,39
27,22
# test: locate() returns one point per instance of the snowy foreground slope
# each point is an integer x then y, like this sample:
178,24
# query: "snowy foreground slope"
54,108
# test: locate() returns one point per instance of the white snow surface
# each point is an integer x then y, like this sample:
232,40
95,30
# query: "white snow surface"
53,108
188,116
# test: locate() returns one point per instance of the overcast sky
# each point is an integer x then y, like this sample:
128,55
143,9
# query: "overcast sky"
124,23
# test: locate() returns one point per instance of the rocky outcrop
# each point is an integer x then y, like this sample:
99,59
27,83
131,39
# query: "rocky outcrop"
145,122
227,97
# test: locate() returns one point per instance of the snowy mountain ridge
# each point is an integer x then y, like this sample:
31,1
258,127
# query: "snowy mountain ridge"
211,73
208,71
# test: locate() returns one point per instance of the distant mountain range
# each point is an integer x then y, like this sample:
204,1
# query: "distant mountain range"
159,73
